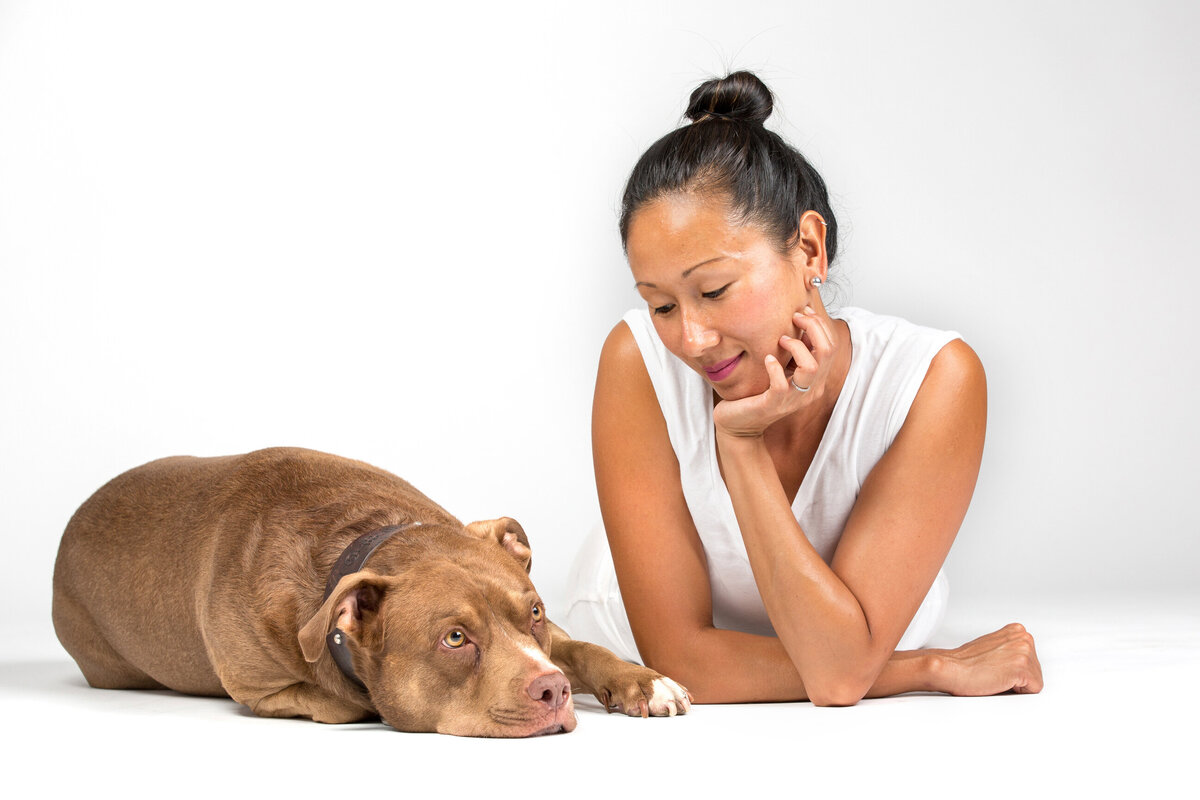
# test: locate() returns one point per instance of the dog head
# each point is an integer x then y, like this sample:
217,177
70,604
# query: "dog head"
452,636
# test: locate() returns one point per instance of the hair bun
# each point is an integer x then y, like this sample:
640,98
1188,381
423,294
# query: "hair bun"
738,96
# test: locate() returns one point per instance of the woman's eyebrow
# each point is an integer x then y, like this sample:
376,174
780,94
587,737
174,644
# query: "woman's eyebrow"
685,273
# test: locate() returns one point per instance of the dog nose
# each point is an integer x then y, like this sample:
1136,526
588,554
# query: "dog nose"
553,689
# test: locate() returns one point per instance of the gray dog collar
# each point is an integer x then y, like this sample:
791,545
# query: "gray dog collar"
350,561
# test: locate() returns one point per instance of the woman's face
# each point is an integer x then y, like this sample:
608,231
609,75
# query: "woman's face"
720,294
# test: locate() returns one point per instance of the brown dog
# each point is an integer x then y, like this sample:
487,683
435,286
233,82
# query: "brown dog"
256,576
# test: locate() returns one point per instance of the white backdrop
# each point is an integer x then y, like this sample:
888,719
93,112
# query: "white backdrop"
389,232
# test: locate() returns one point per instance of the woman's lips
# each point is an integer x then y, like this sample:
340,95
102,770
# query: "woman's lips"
722,370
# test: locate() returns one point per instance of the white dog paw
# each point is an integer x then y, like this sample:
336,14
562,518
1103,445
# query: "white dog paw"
668,698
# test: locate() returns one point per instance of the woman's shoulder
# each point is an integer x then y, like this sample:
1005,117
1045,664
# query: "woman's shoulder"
891,343
637,375
620,348
625,406
956,367
629,347
895,359
636,330
624,368
633,343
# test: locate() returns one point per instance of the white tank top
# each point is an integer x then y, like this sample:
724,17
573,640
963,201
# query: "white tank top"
889,360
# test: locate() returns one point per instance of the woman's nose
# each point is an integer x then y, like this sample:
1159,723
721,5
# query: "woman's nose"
697,335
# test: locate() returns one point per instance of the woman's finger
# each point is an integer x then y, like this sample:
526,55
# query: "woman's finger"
802,358
776,375
804,368
819,338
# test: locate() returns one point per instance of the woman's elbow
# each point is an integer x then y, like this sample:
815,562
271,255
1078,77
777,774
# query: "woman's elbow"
839,697
836,692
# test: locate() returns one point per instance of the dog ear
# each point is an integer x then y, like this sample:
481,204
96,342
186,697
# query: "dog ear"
354,600
509,534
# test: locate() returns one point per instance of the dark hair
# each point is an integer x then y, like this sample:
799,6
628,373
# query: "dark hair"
726,150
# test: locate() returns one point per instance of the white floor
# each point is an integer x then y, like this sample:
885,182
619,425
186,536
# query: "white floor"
1117,718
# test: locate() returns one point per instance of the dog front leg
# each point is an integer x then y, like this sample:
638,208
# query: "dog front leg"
307,700
621,686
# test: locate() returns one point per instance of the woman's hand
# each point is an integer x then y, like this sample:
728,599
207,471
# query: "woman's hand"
998,662
811,359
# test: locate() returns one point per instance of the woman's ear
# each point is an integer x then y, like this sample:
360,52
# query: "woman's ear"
809,250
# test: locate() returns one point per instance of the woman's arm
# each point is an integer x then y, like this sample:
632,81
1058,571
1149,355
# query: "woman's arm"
663,576
840,623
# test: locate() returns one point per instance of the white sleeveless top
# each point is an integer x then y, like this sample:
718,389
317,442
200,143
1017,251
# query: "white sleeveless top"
889,360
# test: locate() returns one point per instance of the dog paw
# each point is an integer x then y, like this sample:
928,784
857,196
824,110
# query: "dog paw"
668,698
645,693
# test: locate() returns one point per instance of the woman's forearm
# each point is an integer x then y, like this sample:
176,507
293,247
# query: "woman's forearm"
820,623
721,666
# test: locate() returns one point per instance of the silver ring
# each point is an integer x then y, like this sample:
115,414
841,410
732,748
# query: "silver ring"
798,388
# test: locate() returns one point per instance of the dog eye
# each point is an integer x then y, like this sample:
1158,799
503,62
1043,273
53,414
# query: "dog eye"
454,639
537,612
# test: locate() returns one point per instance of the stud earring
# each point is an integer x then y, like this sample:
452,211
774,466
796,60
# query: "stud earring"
817,282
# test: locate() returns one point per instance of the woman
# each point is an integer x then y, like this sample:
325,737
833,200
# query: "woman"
779,486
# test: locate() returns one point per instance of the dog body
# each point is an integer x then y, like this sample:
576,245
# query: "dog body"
208,576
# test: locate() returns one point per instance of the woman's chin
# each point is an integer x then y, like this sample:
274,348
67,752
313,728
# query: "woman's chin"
737,390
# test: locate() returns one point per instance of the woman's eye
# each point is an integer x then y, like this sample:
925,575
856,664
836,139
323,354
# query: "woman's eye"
537,613
715,293
662,310
454,639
